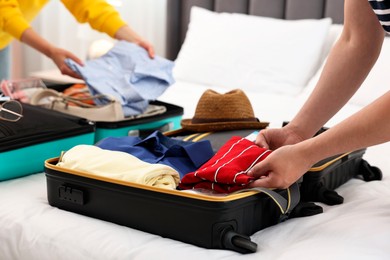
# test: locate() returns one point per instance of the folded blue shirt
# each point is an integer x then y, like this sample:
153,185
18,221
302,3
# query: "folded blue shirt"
183,156
127,73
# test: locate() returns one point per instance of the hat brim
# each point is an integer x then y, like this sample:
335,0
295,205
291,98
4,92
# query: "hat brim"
221,126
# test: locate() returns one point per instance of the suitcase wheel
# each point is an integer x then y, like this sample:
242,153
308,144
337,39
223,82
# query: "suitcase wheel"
239,243
370,173
245,244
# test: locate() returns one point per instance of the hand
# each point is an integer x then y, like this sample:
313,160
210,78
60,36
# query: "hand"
281,168
274,138
128,34
147,46
59,55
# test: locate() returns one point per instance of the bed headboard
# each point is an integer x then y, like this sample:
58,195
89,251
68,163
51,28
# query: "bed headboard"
178,13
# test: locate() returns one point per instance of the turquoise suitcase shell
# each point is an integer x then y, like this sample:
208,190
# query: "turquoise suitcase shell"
170,120
38,135
28,160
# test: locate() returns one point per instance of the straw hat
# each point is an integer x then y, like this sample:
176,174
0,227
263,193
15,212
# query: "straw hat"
220,112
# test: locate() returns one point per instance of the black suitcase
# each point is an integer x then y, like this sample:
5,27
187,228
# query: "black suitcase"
38,135
320,182
210,221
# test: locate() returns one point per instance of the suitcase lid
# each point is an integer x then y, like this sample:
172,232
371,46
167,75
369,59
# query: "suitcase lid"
40,125
172,110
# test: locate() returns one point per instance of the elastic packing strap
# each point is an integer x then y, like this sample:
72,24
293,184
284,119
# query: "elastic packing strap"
285,205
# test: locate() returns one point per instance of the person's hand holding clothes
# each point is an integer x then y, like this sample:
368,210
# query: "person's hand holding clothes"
127,34
57,55
278,169
281,168
276,137
295,149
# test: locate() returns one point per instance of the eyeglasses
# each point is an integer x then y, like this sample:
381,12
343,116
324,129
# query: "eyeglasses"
11,111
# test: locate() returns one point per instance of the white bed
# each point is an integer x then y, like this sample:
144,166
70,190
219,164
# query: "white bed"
357,229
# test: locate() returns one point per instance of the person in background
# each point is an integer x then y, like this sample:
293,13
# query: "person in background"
295,149
15,16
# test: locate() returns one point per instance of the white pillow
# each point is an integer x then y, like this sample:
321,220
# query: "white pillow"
377,82
251,52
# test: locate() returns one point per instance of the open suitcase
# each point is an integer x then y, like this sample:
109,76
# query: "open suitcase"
169,120
219,222
38,135
143,126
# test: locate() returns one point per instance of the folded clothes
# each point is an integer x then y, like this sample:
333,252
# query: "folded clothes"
127,73
226,171
118,165
183,156
217,139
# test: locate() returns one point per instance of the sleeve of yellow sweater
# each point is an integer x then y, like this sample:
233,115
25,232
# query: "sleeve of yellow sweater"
11,18
98,13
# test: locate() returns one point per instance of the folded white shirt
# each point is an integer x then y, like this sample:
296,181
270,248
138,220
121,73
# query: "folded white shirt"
119,165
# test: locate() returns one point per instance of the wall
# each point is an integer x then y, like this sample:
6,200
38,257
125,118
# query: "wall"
58,26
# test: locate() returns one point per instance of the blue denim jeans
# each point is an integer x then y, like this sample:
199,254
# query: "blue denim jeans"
5,63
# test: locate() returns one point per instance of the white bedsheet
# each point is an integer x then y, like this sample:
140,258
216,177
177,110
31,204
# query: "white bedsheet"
357,229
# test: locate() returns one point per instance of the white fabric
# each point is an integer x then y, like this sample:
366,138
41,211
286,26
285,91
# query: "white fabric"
119,165
251,52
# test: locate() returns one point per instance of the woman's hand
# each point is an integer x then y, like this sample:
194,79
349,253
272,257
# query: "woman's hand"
286,164
128,34
281,168
274,138
59,55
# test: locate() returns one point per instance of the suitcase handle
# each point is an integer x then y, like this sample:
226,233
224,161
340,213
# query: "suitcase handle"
285,205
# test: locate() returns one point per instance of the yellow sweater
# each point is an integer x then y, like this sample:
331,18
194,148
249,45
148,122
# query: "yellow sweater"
15,16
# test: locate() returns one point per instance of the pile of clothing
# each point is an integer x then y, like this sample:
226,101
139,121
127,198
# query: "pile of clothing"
206,153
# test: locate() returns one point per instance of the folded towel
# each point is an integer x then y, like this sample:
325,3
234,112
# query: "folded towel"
119,165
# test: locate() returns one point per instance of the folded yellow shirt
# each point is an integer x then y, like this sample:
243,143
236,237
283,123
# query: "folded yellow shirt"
119,165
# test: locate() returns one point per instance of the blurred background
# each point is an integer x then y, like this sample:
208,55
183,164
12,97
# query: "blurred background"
59,27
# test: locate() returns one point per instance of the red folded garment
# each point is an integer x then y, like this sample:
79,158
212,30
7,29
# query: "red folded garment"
226,171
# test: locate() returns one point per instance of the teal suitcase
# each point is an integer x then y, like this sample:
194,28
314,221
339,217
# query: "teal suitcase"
169,120
38,135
